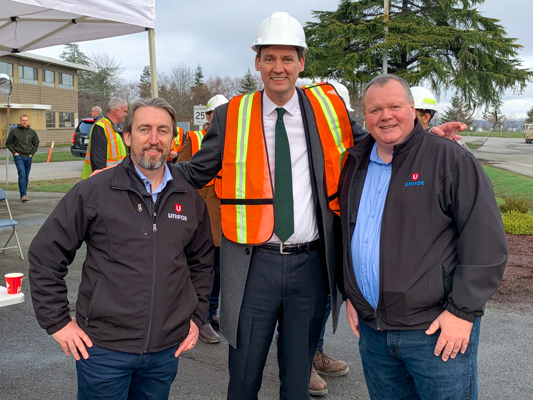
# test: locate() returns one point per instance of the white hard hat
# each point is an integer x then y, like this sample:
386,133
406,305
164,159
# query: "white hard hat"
280,29
424,99
216,101
343,92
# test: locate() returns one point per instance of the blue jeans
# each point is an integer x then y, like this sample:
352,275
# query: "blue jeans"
402,365
114,375
23,165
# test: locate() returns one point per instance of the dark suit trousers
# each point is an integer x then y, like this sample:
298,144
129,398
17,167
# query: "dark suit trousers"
290,290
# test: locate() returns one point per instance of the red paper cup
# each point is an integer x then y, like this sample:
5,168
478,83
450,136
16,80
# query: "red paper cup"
14,282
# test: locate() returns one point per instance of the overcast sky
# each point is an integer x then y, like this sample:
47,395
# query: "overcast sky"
218,35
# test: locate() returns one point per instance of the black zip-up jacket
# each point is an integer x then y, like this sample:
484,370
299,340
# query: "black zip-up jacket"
148,269
442,245
23,141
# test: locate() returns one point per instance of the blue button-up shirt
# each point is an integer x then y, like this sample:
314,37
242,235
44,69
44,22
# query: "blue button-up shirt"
367,232
148,183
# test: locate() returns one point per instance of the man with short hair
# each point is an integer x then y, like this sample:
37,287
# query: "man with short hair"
23,142
96,113
280,152
424,249
148,271
106,146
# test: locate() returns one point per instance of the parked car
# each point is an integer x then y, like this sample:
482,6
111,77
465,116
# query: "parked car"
528,133
80,138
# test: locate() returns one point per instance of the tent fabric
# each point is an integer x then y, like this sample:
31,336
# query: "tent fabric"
33,24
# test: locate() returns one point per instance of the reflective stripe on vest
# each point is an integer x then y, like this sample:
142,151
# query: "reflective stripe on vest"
196,144
335,132
116,150
178,141
247,203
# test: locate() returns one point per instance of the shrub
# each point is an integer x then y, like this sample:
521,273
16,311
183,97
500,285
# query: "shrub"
512,204
517,223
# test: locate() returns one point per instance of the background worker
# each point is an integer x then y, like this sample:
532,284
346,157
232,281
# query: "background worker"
176,147
23,142
144,292
425,105
207,333
96,113
106,146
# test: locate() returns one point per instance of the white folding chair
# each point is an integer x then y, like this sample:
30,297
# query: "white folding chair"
4,223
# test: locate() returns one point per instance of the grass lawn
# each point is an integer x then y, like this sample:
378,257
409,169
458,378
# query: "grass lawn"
508,184
42,157
465,134
55,185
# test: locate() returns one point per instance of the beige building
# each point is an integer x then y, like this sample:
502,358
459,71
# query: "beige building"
46,89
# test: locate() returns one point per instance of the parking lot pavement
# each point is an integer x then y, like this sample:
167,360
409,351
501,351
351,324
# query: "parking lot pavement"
33,367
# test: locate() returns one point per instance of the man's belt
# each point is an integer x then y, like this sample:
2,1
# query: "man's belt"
290,248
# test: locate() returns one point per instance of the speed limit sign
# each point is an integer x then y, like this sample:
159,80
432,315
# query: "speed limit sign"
199,115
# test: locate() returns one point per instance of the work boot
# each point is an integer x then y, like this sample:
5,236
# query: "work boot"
317,385
24,199
208,335
328,366
215,322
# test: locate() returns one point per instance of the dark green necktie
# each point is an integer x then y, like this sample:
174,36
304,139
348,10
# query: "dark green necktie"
283,201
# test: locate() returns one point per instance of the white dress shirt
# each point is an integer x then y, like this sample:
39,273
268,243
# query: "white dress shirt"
305,225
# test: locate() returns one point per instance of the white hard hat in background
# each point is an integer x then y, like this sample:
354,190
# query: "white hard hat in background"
343,92
280,29
424,99
216,101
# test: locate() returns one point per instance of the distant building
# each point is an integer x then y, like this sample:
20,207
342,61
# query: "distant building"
46,89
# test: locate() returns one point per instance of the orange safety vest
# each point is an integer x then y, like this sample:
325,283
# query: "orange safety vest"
247,201
335,130
178,141
196,144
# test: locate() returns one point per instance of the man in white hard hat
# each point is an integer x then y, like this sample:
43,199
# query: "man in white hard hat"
279,152
425,105
207,333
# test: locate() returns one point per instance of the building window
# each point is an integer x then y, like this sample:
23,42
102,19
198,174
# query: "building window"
28,75
66,120
6,68
66,81
49,78
51,119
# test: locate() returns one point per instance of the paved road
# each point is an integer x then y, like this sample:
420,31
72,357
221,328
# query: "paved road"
32,366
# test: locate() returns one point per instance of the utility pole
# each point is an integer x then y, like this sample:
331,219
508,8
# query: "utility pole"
386,7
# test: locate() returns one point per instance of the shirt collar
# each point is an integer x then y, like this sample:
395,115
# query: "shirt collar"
148,183
374,156
291,106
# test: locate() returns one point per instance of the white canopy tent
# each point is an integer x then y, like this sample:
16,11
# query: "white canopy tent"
34,24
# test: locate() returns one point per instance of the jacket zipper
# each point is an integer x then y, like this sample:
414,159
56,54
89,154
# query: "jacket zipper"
154,228
91,302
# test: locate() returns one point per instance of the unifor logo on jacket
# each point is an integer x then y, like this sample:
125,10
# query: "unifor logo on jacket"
247,200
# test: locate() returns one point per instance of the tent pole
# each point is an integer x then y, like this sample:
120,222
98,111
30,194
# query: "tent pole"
153,68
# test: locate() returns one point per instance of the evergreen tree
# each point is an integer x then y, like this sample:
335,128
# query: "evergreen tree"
529,118
458,111
145,84
447,43
248,83
198,76
72,53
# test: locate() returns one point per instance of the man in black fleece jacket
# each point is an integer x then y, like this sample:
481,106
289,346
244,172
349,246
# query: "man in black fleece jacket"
424,249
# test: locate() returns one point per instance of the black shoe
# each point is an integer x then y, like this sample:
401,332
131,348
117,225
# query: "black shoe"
208,335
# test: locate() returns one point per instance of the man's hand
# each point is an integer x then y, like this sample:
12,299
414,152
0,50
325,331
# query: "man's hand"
448,130
454,334
15,154
190,340
173,154
353,320
72,338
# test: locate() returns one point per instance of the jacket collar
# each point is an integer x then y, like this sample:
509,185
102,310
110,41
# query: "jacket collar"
125,172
